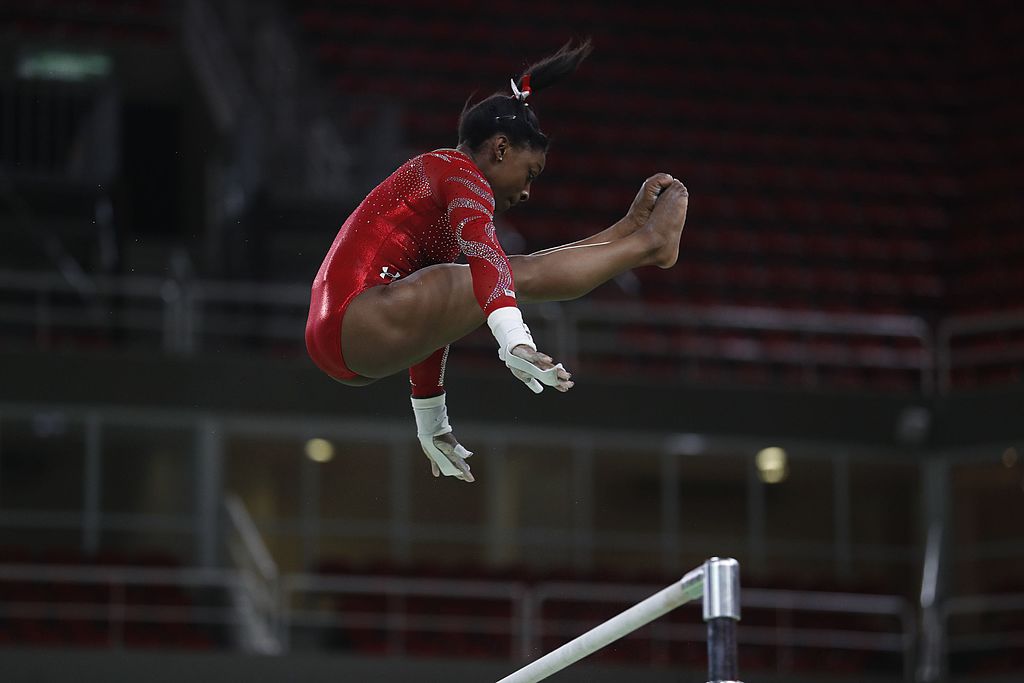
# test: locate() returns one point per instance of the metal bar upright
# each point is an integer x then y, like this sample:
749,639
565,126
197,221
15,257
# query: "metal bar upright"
721,613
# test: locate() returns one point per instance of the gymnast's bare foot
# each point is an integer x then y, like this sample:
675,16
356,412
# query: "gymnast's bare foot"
665,226
640,210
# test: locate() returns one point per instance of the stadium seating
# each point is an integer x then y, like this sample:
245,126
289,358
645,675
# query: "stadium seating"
810,162
93,22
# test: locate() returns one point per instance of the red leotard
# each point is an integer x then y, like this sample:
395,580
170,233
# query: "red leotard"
434,207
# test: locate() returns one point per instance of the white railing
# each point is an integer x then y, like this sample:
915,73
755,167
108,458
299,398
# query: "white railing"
257,594
187,316
931,665
316,603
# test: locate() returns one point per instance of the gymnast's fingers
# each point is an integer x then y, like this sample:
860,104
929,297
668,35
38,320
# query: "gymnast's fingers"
455,453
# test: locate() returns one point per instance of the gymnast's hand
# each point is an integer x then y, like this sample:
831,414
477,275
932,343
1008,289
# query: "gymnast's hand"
640,210
446,454
539,368
456,454
518,352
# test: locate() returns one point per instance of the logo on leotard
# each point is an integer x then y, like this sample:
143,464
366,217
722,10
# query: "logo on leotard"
386,274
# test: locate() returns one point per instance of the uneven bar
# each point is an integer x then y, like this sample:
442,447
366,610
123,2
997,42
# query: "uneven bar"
716,582
689,588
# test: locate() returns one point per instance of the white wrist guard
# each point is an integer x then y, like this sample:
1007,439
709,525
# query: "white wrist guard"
432,420
509,329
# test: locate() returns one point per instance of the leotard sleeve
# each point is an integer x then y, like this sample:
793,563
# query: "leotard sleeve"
469,204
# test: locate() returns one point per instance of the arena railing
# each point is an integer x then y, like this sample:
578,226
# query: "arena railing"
257,593
582,446
716,583
960,329
121,610
984,632
523,623
309,603
251,584
183,316
315,603
898,639
310,606
931,658
816,339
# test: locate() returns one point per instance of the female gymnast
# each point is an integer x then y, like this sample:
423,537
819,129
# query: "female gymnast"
389,295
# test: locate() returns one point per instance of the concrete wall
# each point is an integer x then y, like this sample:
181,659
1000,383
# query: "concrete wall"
238,383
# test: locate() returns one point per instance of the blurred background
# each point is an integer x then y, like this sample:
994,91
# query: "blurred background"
828,386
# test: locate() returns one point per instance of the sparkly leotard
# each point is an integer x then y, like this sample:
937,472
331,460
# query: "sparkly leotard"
434,207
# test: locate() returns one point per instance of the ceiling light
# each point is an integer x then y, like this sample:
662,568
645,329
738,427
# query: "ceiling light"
320,450
772,465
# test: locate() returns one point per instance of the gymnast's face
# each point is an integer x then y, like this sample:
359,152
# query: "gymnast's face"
511,171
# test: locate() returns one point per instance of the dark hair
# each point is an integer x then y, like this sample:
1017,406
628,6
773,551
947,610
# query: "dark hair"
515,118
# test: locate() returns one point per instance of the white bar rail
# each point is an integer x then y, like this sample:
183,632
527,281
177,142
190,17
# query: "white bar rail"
716,582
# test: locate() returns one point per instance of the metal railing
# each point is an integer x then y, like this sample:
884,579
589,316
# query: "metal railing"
778,605
931,666
314,602
811,340
270,613
395,530
982,627
508,612
184,316
257,594
515,615
120,610
953,338
244,602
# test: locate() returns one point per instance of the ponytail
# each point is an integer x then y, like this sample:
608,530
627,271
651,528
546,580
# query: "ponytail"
512,115
556,67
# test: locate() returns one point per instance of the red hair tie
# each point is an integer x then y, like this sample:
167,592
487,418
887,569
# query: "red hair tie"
521,95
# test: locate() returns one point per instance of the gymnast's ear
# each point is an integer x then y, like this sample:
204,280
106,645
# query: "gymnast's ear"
500,145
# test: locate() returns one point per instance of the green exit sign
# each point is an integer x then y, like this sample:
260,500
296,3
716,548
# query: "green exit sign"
58,65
